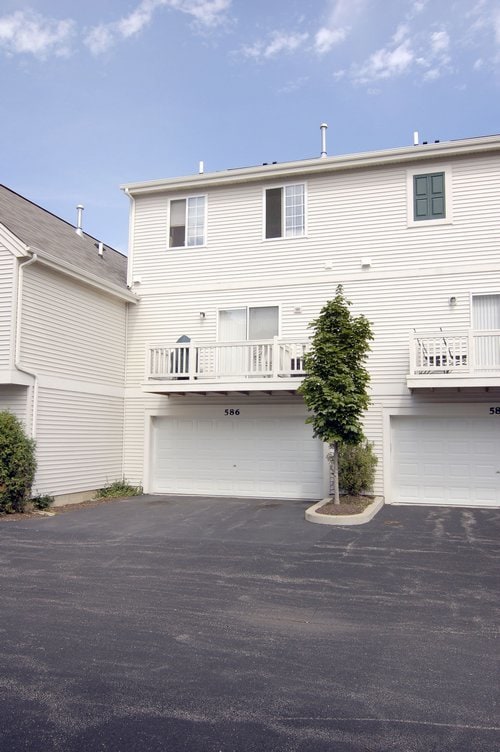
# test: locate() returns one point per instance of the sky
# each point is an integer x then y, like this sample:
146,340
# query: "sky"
97,94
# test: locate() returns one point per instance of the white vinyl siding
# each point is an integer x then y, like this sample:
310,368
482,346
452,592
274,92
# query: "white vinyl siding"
71,330
7,262
79,441
15,400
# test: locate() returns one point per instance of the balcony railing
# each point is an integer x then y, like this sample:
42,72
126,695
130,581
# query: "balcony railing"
470,352
275,358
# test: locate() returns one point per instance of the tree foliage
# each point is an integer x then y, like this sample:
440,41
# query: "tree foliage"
17,464
335,388
357,464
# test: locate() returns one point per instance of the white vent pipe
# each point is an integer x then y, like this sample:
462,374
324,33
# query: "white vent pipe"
323,128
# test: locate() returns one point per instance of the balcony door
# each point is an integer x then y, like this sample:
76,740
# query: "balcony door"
486,325
246,331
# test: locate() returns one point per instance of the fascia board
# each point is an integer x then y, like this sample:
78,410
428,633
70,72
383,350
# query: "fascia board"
13,244
82,276
442,150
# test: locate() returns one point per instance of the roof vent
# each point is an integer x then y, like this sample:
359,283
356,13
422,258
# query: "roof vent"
100,249
78,229
323,128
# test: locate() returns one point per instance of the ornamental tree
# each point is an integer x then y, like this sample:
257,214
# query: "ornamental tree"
335,387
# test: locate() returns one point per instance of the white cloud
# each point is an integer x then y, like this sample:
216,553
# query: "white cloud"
496,25
280,42
341,16
206,13
325,39
440,41
400,33
432,74
26,32
99,39
386,63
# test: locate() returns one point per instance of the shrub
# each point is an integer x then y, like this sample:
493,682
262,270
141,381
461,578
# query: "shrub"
17,464
117,489
42,501
357,463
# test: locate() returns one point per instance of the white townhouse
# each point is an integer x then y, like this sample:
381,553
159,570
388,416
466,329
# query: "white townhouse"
63,314
231,267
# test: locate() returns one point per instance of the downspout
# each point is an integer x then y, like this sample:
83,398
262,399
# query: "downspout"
17,361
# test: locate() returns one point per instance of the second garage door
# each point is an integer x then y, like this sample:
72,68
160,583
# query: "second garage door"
446,460
237,456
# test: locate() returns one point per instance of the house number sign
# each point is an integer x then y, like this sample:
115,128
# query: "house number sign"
494,410
231,411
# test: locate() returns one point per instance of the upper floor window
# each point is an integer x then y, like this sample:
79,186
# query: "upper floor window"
285,211
187,222
429,196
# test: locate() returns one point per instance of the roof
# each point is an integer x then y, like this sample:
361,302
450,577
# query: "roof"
42,231
439,150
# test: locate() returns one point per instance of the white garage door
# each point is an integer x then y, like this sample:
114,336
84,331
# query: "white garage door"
237,456
446,460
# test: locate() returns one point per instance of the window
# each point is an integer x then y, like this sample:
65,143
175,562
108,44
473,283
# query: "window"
486,327
187,222
238,324
428,196
285,211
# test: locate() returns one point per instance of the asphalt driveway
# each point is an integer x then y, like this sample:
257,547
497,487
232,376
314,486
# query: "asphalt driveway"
161,624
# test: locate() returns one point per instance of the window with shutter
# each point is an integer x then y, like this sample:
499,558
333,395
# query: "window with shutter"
429,196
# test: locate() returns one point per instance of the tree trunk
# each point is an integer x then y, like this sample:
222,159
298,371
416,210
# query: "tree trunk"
335,473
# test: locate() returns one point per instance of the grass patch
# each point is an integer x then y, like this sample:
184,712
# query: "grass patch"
118,489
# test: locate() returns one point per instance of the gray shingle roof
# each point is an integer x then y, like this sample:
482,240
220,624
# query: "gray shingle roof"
38,228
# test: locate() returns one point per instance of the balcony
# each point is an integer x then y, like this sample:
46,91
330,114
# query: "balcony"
467,358
274,365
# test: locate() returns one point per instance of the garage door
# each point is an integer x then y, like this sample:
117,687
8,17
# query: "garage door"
446,460
240,456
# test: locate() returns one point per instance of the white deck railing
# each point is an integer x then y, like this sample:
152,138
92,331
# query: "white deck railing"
458,352
227,361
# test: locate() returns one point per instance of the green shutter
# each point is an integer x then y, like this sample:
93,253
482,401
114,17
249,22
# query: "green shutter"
428,196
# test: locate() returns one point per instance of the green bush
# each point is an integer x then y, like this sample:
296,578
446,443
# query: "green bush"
357,465
42,501
117,489
17,464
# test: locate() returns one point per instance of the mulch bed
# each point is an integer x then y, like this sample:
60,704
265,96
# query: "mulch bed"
348,505
58,510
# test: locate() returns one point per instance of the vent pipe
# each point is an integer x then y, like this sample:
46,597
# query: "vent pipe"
323,128
201,168
79,210
100,249
415,138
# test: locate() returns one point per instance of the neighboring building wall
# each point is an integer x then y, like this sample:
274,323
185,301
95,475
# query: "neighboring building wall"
415,269
14,399
73,337
7,266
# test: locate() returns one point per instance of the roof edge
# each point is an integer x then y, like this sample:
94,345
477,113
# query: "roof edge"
442,149
73,271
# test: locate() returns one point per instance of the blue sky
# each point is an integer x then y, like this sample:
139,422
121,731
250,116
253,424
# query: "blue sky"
96,94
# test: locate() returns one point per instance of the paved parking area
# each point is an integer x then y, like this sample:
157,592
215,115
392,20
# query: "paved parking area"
220,625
